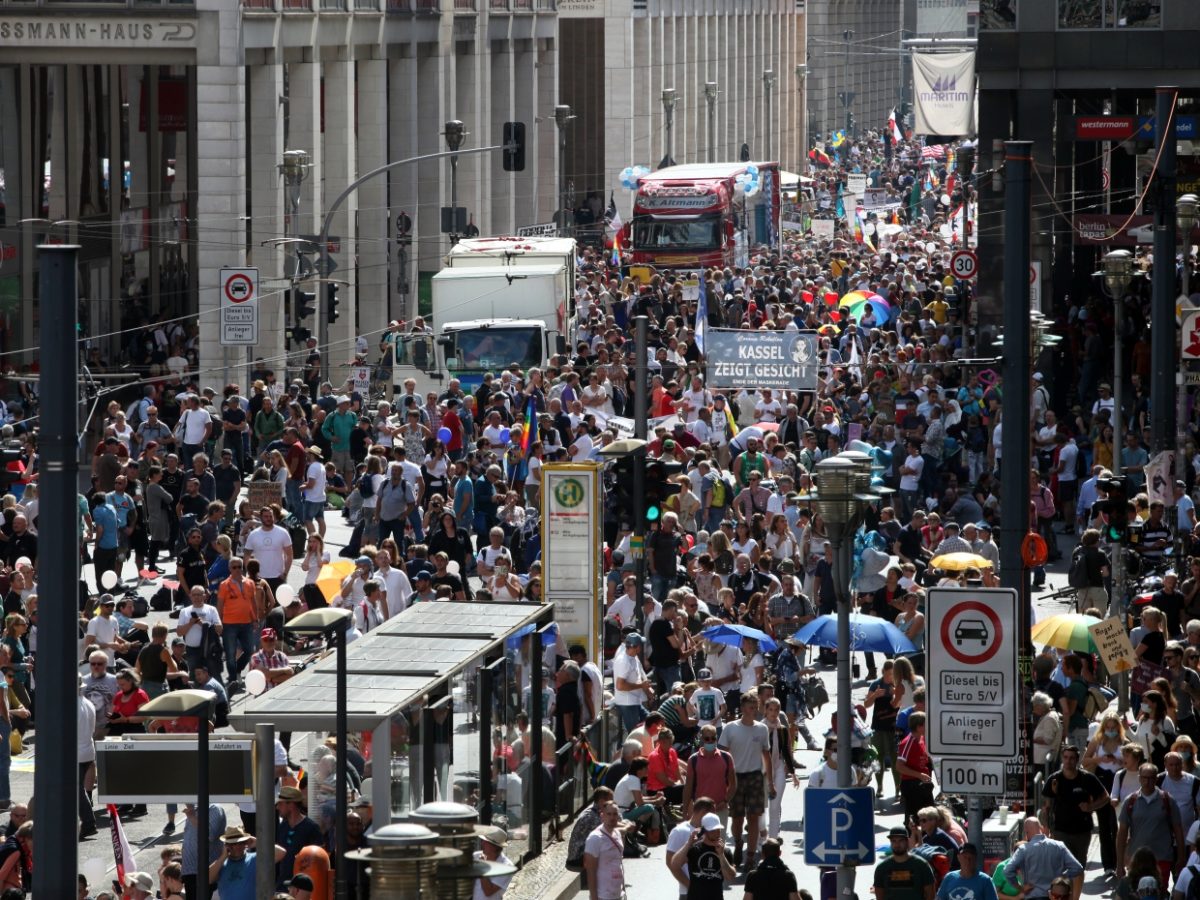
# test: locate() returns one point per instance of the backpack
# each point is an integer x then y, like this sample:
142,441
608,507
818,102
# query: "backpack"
1193,891
815,694
133,414
937,858
1097,701
1077,574
718,500
724,754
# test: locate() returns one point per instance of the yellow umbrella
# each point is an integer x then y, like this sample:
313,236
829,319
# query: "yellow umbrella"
958,562
329,579
853,297
1066,631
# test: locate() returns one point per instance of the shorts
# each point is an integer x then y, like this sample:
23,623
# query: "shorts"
313,510
750,797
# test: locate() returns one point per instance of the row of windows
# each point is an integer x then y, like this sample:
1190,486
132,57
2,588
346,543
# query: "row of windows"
1001,15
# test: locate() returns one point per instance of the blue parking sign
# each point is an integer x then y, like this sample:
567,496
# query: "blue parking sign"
839,826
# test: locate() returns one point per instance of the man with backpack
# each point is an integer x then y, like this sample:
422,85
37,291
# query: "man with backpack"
1089,567
1074,703
1150,819
1069,798
710,773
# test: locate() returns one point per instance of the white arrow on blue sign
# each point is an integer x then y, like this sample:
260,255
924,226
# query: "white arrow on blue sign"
839,826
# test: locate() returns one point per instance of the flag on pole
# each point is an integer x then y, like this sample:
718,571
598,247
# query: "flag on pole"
527,437
839,138
893,127
122,854
840,209
702,312
616,254
854,363
611,213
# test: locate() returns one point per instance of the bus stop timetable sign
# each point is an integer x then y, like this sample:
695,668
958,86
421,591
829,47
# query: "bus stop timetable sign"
972,693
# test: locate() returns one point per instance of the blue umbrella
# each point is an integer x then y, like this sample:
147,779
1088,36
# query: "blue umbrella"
733,634
867,633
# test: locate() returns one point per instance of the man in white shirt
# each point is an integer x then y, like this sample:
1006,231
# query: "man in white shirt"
491,849
272,547
581,449
103,631
485,560
85,755
397,589
632,687
313,494
624,607
910,478
693,400
192,623
767,409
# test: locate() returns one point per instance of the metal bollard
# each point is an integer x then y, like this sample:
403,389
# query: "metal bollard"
402,861
457,829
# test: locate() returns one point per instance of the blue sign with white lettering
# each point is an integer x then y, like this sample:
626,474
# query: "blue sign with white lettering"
839,826
1185,128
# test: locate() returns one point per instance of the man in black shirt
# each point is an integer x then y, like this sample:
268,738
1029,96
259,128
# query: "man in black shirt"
667,638
883,724
155,661
771,879
567,707
662,547
908,545
1070,796
1170,601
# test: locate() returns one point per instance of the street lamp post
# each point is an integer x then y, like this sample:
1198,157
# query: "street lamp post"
294,169
562,118
768,77
839,501
181,704
455,133
710,97
1185,216
669,99
801,117
333,624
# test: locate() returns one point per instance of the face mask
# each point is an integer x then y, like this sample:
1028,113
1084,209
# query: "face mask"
710,747
1147,708
1110,733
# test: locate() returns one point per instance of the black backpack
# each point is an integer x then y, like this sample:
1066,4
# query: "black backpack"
1193,891
1077,576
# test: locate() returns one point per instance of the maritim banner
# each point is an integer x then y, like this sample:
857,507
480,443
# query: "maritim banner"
944,85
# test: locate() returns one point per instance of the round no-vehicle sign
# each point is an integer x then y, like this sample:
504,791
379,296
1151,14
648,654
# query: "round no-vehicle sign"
971,632
239,287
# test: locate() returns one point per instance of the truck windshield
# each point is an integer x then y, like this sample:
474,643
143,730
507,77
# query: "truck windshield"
691,234
495,348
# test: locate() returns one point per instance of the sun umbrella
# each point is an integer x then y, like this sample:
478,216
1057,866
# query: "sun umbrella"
883,312
733,634
1066,631
959,562
329,579
853,297
867,633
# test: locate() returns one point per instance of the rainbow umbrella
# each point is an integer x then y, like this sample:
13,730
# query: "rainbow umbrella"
1066,631
853,297
883,312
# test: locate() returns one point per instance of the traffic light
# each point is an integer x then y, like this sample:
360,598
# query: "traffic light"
621,487
514,146
659,486
298,334
305,304
1118,510
11,469
331,303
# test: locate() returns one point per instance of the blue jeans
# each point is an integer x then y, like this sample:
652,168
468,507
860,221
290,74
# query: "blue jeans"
414,519
631,717
660,584
235,636
5,761
667,676
292,497
393,528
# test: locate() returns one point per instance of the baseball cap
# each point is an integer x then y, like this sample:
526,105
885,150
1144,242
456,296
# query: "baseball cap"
1148,883
704,674
426,574
969,848
897,831
363,561
300,881
342,398
711,822
634,640
1038,376
268,634
108,600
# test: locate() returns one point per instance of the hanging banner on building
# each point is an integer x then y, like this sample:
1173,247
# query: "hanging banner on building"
572,525
943,18
944,85
783,360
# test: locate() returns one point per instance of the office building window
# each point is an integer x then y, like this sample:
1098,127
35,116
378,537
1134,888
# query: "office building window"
997,15
1082,14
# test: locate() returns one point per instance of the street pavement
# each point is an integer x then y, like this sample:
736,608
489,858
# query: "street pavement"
646,877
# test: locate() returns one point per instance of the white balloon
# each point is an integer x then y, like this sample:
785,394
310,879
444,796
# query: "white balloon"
94,871
108,580
285,594
945,199
256,682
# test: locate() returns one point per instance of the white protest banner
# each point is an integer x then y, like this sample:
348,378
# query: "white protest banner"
944,84
1160,478
823,228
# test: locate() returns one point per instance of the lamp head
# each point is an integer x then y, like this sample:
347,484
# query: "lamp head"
1118,271
1185,212
455,133
669,99
562,115
768,77
710,90
295,164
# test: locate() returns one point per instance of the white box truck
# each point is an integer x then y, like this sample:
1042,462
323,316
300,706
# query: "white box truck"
484,319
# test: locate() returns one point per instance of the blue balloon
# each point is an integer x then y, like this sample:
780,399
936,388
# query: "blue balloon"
444,435
505,436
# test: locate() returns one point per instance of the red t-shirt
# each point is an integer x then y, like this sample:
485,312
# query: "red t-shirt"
659,764
912,751
294,458
129,704
451,420
711,774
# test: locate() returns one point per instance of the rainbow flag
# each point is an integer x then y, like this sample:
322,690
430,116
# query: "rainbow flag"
616,255
527,436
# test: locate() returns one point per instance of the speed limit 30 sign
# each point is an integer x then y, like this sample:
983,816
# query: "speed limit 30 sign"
964,264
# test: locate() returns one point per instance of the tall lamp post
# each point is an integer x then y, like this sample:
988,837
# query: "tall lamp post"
177,705
768,77
669,99
562,118
710,97
454,133
1185,216
801,116
333,624
841,490
294,169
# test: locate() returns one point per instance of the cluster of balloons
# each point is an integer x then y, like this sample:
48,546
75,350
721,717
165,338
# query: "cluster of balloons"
507,435
748,182
631,174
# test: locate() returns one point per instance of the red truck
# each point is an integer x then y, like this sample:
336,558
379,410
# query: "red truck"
694,216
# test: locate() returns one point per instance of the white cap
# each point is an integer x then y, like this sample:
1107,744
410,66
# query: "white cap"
711,822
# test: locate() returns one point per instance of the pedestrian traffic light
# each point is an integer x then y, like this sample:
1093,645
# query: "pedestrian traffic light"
298,334
305,304
331,303
1117,529
659,486
621,486
514,146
